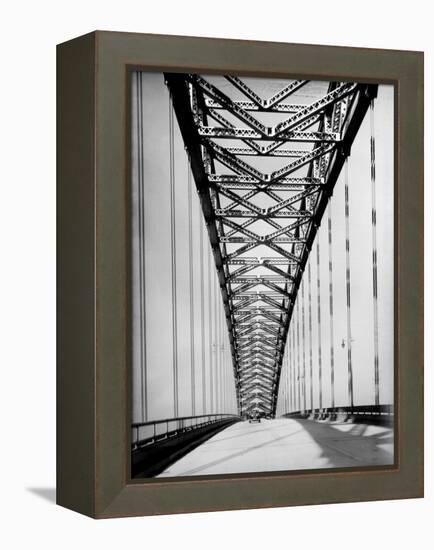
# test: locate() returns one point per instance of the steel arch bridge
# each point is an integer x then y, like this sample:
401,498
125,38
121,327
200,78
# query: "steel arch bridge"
265,169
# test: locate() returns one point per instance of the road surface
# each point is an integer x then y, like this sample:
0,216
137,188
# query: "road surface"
287,444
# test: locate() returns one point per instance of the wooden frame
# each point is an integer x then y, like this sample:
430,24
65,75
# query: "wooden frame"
93,355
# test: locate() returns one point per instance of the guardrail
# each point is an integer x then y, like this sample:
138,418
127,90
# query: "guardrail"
383,414
147,433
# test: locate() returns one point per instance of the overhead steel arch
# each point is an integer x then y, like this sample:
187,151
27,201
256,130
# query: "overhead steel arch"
264,168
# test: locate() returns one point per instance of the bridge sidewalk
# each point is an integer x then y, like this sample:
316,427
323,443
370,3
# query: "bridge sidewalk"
287,444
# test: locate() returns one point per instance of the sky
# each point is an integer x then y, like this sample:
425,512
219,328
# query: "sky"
210,357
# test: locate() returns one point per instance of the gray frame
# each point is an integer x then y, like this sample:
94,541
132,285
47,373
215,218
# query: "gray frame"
93,342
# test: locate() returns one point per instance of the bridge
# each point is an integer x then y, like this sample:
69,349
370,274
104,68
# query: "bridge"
262,269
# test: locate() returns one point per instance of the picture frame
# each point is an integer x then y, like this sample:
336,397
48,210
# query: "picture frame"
93,379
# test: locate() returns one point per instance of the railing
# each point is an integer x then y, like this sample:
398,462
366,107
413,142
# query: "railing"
147,433
376,413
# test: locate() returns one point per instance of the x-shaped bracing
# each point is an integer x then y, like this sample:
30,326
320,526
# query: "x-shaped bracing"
250,209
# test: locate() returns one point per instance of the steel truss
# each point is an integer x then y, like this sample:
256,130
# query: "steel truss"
275,214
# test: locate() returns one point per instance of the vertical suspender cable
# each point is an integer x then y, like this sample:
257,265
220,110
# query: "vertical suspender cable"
374,260
216,358
218,344
229,375
228,370
348,287
309,280
286,383
216,363
281,398
295,359
210,334
142,252
219,388
332,347
304,345
223,362
289,377
293,368
289,381
173,259
318,281
223,351
290,368
191,291
223,372
225,377
202,313
215,342
298,356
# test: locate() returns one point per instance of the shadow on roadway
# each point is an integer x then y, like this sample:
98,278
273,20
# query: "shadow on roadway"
364,449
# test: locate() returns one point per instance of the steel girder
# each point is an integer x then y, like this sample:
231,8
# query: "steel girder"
275,214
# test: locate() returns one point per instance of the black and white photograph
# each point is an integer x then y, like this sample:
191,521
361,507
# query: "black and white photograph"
262,274
218,266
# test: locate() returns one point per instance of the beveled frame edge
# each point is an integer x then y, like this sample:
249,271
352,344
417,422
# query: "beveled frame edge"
75,369
105,491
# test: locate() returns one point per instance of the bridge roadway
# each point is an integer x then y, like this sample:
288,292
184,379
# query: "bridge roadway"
287,444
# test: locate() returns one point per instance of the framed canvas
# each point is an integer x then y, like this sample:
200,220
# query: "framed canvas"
240,274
